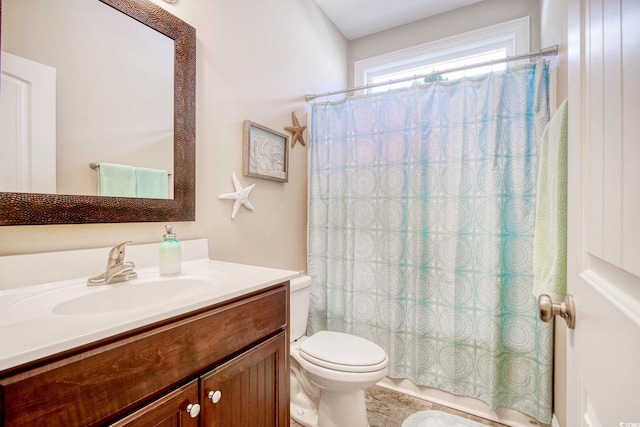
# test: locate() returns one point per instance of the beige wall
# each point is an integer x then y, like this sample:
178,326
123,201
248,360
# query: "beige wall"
255,61
477,15
554,22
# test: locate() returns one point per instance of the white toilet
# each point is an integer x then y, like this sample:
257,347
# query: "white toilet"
329,370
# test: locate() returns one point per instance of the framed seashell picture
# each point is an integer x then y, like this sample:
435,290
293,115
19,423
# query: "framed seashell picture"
265,153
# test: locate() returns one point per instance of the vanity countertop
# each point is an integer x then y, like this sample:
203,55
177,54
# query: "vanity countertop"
30,334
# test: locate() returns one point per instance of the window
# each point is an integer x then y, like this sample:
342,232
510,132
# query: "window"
495,42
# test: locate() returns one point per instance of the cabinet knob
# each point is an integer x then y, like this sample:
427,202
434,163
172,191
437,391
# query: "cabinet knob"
193,409
215,396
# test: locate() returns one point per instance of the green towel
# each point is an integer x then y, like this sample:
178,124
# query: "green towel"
550,238
116,180
152,183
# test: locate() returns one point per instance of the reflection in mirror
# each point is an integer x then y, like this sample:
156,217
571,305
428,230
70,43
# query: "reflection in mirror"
18,208
111,95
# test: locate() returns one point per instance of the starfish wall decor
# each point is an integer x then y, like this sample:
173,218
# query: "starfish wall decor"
296,131
240,196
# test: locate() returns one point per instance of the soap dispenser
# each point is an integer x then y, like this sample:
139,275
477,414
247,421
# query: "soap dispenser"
170,254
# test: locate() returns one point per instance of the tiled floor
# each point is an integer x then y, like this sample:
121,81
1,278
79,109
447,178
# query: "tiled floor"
388,408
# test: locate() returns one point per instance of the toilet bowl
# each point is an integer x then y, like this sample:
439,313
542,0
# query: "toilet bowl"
330,371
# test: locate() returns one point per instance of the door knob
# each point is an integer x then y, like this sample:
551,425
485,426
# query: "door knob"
566,309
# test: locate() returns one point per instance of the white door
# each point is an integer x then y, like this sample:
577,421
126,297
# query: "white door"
603,363
27,126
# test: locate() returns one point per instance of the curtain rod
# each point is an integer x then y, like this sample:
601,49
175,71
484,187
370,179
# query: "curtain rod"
548,51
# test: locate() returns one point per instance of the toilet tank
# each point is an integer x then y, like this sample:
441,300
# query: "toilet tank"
300,290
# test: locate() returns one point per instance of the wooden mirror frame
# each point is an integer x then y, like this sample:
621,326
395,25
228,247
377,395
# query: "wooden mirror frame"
35,209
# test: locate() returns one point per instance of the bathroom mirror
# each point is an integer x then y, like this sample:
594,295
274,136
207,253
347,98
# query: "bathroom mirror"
31,208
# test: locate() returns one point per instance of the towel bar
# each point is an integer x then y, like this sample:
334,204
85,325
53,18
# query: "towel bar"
96,165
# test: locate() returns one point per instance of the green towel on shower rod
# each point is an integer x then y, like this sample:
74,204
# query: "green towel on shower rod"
550,237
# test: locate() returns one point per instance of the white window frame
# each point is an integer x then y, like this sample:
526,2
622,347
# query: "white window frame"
511,35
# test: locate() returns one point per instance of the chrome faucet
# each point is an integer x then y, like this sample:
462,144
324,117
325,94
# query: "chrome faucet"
118,270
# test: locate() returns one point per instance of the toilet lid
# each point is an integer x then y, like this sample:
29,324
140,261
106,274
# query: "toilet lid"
343,352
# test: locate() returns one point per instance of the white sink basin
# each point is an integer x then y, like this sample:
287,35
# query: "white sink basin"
134,296
144,292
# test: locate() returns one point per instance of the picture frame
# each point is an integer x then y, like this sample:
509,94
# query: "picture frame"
265,153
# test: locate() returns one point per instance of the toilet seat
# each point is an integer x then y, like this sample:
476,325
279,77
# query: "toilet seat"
343,352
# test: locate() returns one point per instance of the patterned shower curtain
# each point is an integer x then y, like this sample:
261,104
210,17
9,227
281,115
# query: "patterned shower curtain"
421,224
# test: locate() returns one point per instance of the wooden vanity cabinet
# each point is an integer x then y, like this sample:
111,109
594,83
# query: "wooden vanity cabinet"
151,376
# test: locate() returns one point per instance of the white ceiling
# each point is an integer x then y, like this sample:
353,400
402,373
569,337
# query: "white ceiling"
358,18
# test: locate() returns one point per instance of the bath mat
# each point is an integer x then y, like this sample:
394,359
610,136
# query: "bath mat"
438,419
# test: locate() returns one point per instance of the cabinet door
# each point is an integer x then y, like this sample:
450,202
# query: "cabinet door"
250,390
178,408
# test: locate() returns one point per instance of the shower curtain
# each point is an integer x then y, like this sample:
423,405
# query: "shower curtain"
421,224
